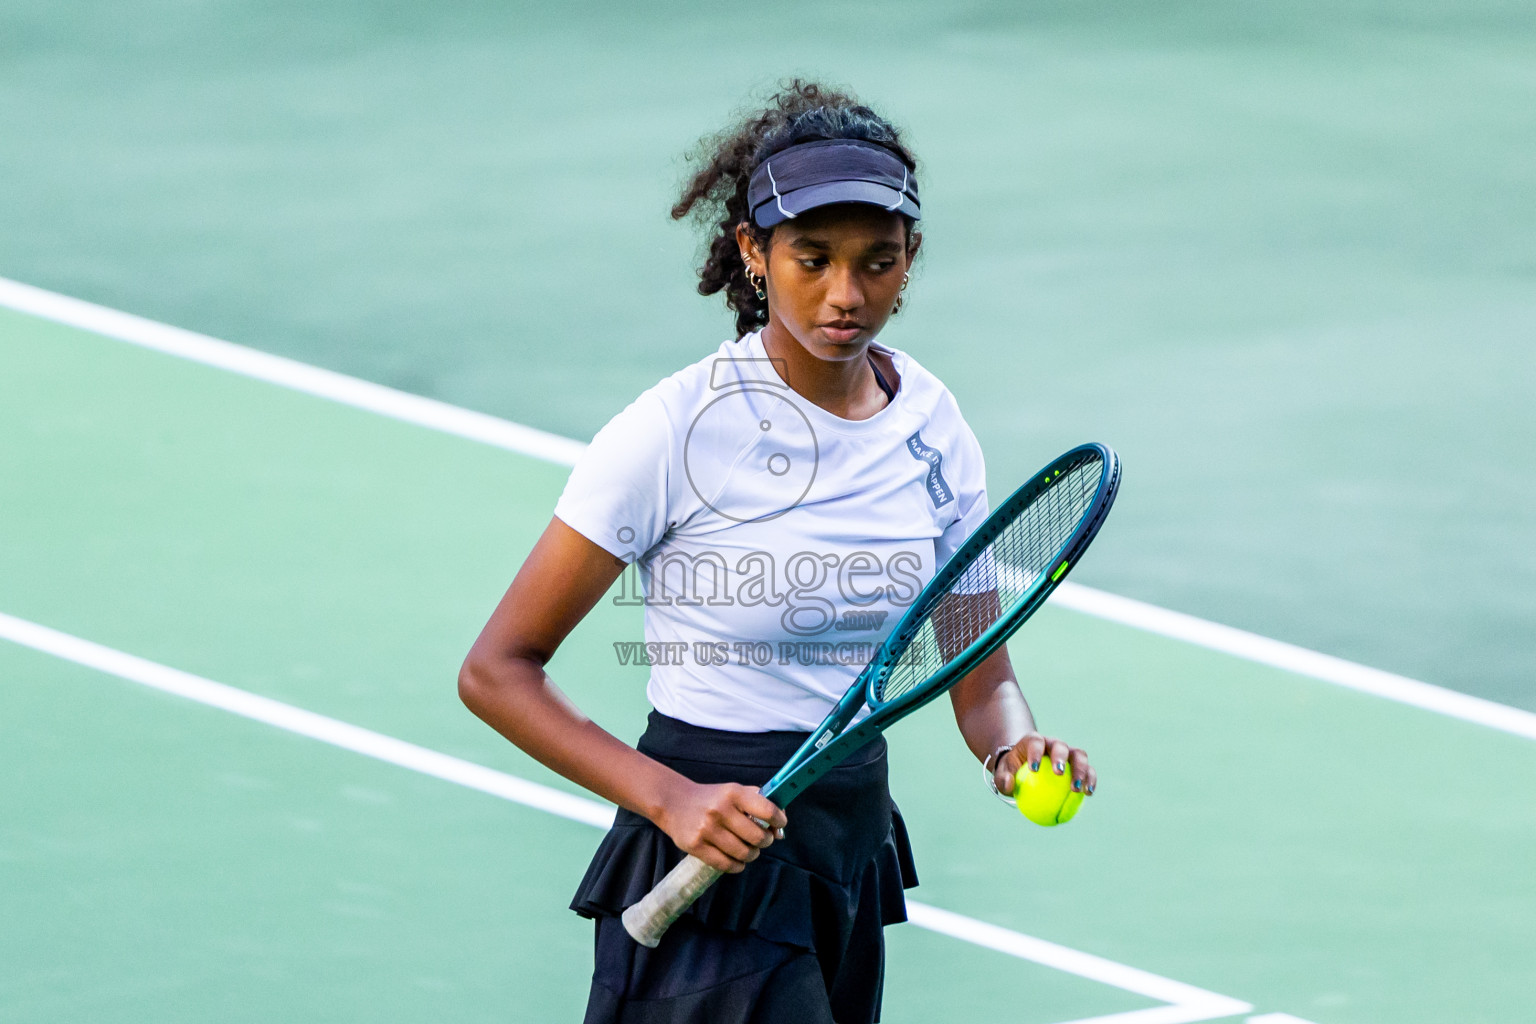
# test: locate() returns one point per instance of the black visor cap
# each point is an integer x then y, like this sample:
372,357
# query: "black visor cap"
828,171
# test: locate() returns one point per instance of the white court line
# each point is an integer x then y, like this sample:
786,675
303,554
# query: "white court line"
1186,999
289,373
1190,1003
476,426
1185,1013
1252,647
304,723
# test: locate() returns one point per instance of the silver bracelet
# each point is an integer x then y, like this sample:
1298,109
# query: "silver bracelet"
989,767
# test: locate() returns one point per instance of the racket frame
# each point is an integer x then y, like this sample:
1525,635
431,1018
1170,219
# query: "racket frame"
649,919
832,740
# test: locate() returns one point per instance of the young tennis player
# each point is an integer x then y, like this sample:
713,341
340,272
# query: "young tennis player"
784,499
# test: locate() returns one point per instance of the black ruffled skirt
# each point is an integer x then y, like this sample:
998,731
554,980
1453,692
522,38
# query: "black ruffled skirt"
794,937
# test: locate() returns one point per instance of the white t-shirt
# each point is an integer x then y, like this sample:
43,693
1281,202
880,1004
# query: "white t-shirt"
776,543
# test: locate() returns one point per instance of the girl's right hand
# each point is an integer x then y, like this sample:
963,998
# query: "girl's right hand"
716,823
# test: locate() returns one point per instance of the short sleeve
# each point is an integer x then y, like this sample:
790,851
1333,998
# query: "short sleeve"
617,494
969,482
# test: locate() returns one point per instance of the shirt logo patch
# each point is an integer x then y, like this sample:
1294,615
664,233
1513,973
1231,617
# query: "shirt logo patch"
938,490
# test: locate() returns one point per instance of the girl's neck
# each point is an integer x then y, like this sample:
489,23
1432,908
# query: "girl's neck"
844,386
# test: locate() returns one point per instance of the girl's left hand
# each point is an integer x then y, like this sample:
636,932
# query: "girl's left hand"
1045,753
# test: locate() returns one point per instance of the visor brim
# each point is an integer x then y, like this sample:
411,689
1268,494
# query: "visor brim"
781,208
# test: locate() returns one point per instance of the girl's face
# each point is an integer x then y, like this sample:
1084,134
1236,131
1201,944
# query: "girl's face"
834,274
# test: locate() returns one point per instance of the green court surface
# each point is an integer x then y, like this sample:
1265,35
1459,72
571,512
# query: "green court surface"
1263,837
1281,255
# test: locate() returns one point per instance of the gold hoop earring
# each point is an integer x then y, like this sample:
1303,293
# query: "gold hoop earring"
900,297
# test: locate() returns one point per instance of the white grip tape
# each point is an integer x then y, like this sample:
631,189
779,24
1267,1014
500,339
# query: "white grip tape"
648,920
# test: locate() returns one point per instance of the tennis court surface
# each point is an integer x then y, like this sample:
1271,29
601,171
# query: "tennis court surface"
240,785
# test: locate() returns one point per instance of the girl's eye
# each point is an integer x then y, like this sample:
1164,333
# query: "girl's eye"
817,262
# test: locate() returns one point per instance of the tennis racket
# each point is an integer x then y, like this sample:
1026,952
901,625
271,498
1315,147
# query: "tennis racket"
999,576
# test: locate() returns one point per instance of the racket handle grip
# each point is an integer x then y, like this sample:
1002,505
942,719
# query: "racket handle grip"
648,920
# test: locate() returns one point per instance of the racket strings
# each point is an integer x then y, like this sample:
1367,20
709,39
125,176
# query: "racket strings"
1001,576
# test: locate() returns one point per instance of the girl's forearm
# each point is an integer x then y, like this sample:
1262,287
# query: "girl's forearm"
516,697
989,707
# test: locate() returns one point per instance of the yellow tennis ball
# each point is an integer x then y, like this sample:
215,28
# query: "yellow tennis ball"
1044,797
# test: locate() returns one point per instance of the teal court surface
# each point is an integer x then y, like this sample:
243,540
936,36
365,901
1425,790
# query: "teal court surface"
234,595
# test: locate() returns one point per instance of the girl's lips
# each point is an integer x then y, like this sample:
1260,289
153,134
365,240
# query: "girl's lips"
841,334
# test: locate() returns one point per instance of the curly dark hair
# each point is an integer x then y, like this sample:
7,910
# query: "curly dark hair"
716,194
